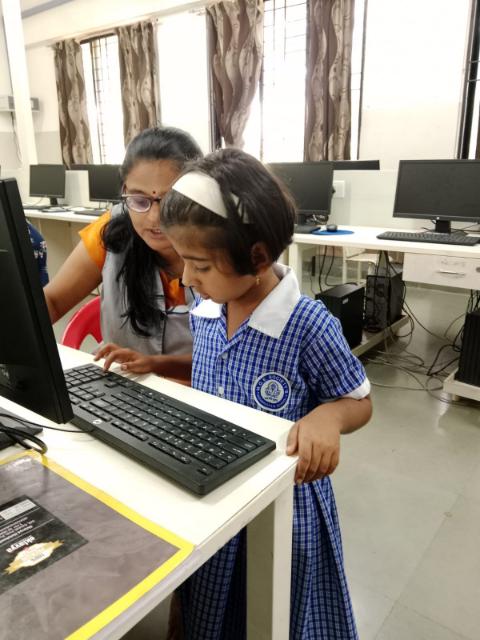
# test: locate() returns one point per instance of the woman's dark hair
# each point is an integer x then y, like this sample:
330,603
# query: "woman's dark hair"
263,201
139,269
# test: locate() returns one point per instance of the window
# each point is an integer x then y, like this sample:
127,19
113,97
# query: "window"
469,146
275,128
104,100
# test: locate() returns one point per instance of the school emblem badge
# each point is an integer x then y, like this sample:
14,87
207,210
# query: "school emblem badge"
271,391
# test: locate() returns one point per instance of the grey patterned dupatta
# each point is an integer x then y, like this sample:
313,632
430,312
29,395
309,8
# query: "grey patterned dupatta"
328,97
136,49
236,59
72,107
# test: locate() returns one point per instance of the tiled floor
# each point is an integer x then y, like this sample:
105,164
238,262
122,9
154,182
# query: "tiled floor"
408,492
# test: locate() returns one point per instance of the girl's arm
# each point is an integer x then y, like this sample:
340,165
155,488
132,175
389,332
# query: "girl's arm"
78,276
175,367
316,436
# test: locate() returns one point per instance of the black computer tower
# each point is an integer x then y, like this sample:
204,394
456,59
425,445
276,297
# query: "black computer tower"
469,365
346,303
383,298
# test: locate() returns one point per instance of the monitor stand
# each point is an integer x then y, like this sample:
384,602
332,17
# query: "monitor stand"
53,201
445,226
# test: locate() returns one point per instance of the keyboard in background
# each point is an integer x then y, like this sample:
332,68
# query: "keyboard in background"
88,212
306,228
430,237
190,446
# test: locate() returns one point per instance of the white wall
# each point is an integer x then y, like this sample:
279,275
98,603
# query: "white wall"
413,77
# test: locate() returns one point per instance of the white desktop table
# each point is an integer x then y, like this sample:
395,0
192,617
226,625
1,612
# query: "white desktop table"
260,497
438,264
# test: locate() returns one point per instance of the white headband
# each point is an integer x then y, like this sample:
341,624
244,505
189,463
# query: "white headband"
205,190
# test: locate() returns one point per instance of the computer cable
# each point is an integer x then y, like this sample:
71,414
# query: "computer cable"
29,423
24,439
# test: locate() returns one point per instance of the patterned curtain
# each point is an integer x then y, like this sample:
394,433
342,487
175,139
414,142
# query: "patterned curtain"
329,61
235,63
72,107
136,50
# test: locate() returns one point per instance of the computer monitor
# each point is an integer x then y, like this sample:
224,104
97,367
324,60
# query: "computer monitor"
104,183
47,180
442,191
310,184
30,369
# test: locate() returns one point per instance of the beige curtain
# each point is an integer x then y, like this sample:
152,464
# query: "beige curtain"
72,107
329,56
136,50
235,63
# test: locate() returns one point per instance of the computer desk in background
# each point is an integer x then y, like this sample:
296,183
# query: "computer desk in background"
436,264
260,498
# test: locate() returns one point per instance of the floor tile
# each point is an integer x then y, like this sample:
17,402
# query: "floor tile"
446,585
405,624
388,522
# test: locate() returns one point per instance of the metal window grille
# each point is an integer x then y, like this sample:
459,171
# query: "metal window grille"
275,129
104,104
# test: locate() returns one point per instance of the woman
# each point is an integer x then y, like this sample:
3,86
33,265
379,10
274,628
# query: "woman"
144,306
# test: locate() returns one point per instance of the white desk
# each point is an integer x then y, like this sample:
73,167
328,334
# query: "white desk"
366,238
60,216
261,495
438,264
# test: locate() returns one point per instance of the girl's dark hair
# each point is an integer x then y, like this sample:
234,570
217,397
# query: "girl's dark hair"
141,263
263,200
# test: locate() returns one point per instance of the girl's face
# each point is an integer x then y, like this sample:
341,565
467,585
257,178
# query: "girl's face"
208,271
151,178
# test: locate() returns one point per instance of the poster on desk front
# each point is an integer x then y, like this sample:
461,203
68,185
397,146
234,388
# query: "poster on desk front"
71,558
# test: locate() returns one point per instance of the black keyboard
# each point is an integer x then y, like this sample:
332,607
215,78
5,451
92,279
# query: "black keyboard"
306,228
89,212
190,446
428,236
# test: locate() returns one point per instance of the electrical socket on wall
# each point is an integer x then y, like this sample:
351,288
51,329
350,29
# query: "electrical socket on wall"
339,186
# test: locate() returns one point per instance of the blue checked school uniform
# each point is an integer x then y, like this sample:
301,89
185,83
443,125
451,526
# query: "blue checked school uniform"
286,358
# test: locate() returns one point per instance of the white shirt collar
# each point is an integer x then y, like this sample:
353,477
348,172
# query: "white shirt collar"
272,314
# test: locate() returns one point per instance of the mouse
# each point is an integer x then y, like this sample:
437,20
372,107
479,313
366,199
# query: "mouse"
332,227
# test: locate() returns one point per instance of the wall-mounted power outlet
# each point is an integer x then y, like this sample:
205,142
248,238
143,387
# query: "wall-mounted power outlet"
339,186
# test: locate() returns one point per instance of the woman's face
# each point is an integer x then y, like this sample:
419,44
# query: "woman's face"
151,178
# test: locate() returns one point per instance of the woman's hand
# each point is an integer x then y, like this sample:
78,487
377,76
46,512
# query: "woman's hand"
317,445
129,360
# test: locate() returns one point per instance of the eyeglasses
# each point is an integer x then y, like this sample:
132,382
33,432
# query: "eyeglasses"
139,203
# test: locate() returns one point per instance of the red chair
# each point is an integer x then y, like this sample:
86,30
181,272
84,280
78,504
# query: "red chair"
85,322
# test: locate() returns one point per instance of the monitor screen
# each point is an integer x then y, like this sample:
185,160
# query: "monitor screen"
310,184
47,180
104,183
30,369
438,190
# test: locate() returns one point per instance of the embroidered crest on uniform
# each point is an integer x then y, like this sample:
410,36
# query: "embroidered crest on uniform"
271,391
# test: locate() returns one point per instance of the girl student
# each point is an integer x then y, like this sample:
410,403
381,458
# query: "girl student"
144,308
260,342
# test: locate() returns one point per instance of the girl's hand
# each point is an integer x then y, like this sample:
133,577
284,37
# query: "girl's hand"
130,360
317,444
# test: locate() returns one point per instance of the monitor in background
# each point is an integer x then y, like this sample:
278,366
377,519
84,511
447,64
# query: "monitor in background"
310,184
47,180
104,183
442,191
30,370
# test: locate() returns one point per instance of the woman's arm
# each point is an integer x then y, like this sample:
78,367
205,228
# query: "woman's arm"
77,277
